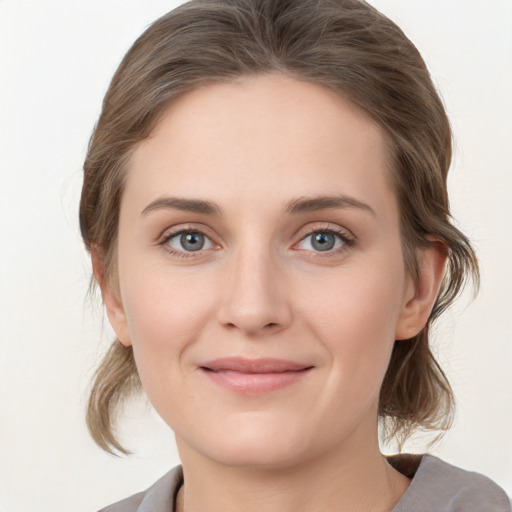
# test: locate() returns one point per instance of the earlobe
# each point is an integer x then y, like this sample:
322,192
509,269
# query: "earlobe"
111,298
420,295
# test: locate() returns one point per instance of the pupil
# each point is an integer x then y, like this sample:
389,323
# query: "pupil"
192,241
323,241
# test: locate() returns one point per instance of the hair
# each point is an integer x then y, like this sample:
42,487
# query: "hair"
344,45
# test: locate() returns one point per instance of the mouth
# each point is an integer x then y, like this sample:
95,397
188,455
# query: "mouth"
254,376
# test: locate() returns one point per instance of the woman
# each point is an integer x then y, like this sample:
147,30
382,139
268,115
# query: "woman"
265,205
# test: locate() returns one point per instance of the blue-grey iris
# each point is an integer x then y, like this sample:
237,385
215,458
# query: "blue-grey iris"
192,241
323,241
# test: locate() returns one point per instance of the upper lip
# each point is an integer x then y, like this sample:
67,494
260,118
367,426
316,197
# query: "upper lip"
247,365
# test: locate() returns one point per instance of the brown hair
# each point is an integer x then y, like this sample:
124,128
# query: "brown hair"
345,45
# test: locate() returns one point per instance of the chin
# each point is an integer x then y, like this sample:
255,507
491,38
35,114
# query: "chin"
256,445
259,456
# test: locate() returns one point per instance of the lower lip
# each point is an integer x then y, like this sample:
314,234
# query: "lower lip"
254,383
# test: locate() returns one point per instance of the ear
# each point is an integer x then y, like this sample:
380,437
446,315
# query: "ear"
420,295
111,298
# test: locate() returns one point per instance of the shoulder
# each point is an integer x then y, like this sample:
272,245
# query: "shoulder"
158,498
442,487
130,504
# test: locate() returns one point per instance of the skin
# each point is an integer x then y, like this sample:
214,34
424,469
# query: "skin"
261,288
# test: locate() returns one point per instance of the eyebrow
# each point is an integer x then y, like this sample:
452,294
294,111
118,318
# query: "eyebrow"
184,204
294,207
305,204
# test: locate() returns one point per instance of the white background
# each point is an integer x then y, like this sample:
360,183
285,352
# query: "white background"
56,59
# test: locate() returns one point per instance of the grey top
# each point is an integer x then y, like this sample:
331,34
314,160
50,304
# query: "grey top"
436,487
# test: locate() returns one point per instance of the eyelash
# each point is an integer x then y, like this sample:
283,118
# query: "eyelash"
347,242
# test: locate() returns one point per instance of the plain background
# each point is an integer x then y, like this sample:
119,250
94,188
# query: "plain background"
56,59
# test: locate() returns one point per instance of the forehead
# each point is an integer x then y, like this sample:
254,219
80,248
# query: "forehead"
270,135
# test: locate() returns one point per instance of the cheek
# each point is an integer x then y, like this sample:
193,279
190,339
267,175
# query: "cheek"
165,314
356,321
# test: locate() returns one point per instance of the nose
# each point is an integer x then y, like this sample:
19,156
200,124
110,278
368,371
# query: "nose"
254,298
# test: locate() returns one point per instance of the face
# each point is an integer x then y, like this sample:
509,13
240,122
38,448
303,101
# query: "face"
260,277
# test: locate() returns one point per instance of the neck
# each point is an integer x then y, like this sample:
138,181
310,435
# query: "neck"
357,480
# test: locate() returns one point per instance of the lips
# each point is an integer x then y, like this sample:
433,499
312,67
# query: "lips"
242,365
254,376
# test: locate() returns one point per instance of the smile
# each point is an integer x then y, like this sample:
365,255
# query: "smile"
254,376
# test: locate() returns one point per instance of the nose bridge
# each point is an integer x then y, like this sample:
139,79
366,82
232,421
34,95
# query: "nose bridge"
254,295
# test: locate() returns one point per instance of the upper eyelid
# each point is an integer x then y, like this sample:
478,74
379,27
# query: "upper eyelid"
336,231
326,227
171,232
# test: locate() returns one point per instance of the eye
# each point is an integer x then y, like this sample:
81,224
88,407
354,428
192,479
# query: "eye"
187,242
323,241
